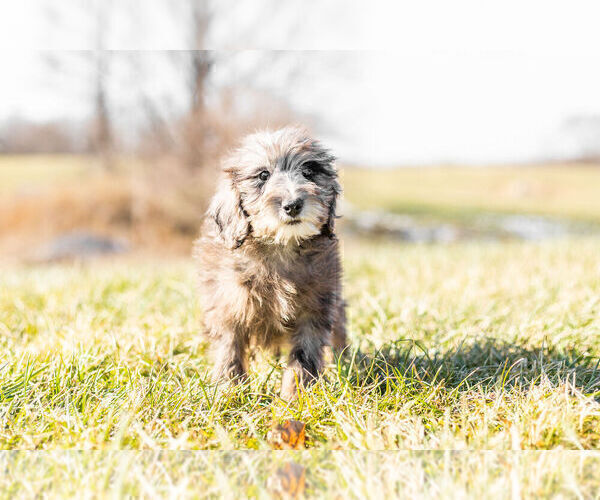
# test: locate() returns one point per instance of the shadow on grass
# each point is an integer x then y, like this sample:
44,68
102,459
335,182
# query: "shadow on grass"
488,363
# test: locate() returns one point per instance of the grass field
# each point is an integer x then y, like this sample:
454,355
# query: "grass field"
470,346
569,190
27,171
478,347
459,192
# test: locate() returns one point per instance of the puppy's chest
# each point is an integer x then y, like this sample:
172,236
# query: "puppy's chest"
275,293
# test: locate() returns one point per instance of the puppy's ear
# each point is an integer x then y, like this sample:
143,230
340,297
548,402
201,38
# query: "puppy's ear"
229,216
330,226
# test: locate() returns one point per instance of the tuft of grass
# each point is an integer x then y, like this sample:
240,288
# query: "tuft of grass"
470,346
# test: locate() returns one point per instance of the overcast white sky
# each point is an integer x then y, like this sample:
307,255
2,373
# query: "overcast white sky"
421,82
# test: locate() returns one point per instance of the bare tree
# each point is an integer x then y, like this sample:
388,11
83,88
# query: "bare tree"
102,141
91,67
200,59
102,134
198,64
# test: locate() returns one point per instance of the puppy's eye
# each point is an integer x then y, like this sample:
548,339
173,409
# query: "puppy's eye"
264,175
309,170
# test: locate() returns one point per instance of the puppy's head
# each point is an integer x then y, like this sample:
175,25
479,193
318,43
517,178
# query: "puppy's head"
280,186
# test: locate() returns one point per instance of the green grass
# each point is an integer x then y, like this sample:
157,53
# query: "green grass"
480,348
472,346
445,192
466,192
32,171
329,474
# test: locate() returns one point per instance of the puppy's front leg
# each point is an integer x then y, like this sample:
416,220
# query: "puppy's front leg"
305,362
229,356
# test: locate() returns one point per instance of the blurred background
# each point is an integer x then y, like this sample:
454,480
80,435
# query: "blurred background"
113,116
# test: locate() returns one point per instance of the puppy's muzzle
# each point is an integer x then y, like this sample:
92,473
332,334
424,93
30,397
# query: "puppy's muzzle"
294,207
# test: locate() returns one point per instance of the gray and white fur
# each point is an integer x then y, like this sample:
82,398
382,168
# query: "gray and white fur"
268,257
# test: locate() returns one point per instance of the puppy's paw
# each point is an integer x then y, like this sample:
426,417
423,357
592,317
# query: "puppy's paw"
291,383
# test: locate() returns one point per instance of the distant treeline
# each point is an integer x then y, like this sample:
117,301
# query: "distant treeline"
19,136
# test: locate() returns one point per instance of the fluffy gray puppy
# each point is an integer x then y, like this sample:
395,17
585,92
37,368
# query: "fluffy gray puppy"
268,257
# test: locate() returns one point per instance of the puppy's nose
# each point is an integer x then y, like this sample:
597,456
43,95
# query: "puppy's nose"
293,208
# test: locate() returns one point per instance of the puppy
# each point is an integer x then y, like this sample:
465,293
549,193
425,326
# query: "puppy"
268,257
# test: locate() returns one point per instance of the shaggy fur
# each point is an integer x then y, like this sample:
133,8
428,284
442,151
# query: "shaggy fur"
269,258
